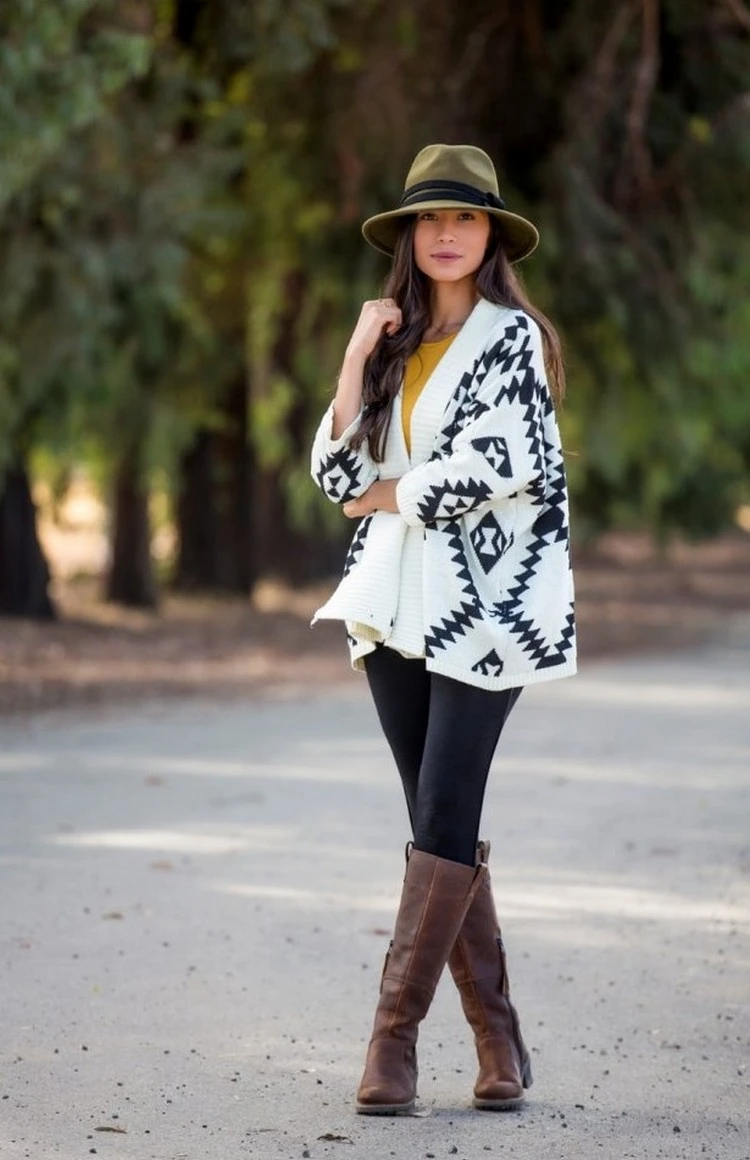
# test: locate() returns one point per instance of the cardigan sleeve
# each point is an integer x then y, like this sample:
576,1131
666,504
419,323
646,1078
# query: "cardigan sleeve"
340,471
500,449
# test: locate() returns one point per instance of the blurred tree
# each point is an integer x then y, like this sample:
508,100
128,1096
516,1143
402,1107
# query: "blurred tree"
652,159
622,128
263,294
181,263
213,507
59,64
616,127
146,188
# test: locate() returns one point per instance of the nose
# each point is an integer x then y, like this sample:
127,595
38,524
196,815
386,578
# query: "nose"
446,229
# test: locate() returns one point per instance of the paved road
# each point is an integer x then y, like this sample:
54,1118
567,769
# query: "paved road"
196,900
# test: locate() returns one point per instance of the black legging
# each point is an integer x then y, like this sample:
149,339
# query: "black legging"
443,735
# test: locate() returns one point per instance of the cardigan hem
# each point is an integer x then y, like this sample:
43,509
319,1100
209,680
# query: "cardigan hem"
505,680
456,673
364,647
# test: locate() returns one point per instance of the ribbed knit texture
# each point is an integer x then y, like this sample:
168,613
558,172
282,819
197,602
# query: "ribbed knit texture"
417,371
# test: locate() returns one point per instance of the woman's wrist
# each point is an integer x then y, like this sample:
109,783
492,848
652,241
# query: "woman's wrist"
348,399
379,497
354,360
384,495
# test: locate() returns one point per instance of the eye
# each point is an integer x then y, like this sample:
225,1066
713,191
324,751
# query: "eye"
467,215
427,216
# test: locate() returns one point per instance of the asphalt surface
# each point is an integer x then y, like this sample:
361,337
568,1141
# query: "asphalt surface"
195,902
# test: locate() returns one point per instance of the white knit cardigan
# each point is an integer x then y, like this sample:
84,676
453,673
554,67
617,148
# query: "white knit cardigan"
474,573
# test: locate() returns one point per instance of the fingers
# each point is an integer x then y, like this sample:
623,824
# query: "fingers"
378,316
354,508
386,307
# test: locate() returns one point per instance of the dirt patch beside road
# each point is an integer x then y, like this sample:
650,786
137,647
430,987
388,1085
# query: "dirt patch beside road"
630,599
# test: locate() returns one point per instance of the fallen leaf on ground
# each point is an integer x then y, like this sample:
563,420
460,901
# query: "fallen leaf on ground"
332,1136
107,1128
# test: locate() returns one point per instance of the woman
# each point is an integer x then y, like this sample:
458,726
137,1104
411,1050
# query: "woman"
457,588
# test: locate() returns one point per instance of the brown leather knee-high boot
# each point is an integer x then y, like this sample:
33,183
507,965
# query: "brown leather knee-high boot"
477,963
434,900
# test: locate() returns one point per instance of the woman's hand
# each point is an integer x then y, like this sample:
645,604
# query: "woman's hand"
374,318
382,315
379,497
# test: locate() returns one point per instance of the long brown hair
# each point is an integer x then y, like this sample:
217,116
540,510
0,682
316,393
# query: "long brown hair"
495,280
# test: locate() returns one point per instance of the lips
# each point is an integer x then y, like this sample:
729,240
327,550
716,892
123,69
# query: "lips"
445,256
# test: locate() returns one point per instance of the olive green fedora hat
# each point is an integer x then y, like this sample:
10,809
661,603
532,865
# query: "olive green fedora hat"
452,177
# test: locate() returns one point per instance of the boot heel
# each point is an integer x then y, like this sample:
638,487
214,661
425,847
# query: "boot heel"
527,1078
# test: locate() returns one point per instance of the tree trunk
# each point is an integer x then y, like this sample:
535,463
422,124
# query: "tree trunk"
131,577
298,555
284,550
214,513
236,548
196,517
24,572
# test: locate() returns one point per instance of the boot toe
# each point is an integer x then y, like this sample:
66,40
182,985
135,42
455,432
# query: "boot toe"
378,1102
504,1092
498,1097
389,1083
500,1083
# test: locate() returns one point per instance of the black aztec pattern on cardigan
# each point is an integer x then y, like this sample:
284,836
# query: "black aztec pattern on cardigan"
513,357
491,499
512,354
357,545
343,475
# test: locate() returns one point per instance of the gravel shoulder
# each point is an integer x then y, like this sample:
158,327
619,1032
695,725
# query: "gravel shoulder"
631,599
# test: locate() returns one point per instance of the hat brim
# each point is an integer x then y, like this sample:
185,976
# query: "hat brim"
519,236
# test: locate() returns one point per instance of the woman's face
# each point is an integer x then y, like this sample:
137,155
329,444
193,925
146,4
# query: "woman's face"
450,244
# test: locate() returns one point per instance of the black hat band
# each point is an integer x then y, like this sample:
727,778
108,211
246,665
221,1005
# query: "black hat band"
454,191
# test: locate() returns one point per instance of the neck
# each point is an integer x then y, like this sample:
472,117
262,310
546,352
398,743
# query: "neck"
451,304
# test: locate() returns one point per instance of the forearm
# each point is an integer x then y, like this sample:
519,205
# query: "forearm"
347,402
484,468
379,497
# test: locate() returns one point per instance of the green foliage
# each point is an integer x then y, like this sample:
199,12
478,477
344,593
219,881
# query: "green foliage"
183,184
60,63
103,333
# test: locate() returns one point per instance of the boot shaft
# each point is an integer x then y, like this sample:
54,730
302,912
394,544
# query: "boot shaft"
435,899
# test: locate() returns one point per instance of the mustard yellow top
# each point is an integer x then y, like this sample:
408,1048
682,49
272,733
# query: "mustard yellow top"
419,367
